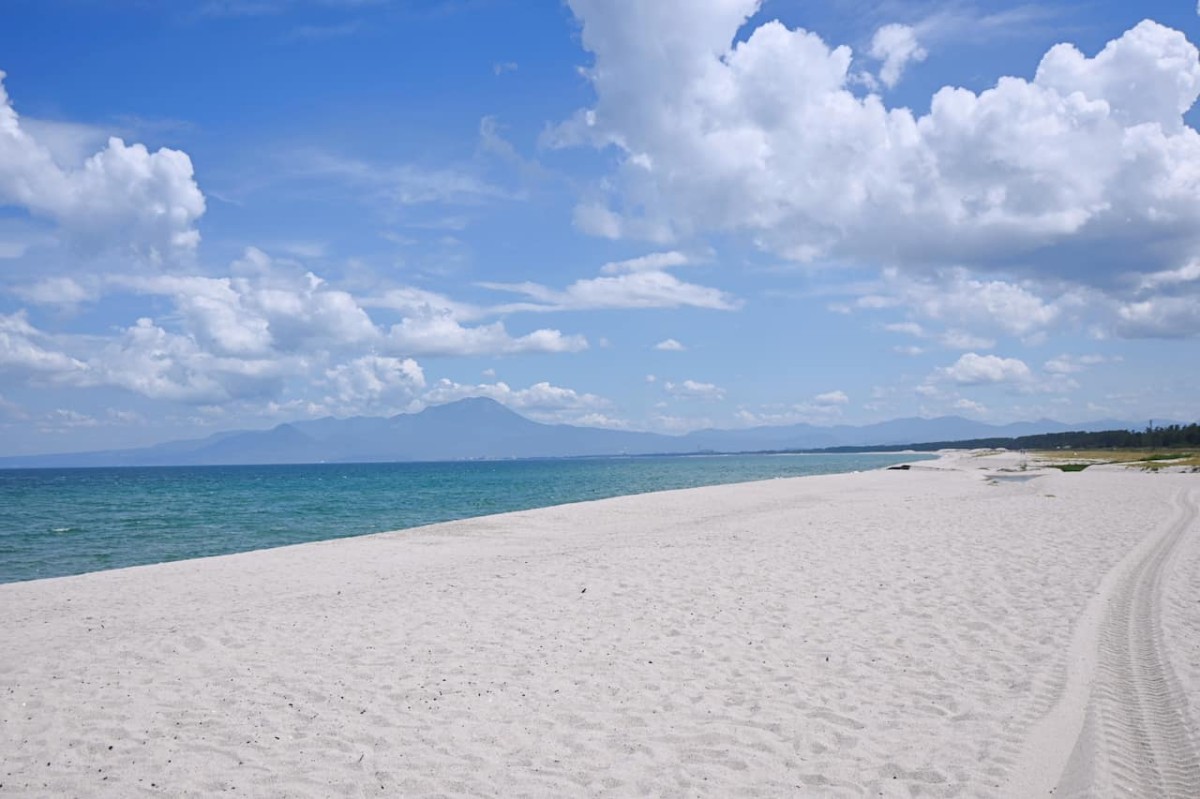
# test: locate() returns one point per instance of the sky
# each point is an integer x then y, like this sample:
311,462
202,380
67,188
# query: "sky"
230,214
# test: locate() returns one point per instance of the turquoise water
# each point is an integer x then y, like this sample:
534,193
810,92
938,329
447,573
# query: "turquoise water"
55,522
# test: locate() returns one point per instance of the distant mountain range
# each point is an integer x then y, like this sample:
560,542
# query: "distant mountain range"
479,428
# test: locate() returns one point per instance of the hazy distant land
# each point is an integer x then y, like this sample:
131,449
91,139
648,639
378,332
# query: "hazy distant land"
481,428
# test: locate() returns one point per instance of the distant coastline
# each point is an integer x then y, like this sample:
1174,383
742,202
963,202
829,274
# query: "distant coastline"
482,429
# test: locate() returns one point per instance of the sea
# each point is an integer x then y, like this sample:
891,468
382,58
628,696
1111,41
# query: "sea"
57,522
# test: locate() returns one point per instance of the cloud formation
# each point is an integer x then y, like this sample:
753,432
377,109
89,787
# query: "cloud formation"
395,185
61,291
442,334
823,409
367,382
972,309
831,398
972,369
636,283
542,401
693,389
1068,364
122,196
1070,174
149,360
28,351
1160,317
248,334
896,46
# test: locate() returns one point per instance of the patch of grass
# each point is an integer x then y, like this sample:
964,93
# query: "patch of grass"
1095,455
1150,460
1154,464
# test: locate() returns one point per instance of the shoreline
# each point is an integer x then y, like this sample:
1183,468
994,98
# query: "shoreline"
886,632
205,511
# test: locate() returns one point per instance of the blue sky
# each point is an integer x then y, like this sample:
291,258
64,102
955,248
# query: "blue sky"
233,213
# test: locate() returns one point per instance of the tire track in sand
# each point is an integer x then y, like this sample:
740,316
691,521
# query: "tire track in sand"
1119,726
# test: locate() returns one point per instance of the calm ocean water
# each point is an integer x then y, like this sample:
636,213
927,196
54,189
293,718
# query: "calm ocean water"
56,522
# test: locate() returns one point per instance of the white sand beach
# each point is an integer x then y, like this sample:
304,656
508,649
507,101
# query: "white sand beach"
931,632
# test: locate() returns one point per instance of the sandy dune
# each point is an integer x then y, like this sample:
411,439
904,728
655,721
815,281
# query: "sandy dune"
933,632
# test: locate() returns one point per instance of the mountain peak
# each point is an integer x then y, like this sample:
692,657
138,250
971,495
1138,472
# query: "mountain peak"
469,405
472,402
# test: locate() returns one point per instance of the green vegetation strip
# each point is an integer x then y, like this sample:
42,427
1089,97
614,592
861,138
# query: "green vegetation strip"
1142,459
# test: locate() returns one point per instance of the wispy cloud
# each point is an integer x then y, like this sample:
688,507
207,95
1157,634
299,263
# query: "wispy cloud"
694,389
641,282
636,290
310,33
390,185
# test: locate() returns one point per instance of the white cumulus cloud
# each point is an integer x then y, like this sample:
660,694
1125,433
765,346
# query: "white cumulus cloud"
693,389
441,334
831,398
156,363
896,46
370,380
1160,317
61,291
1067,174
635,289
974,369
1188,273
972,310
268,307
122,195
26,350
260,308
269,332
1068,364
970,406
